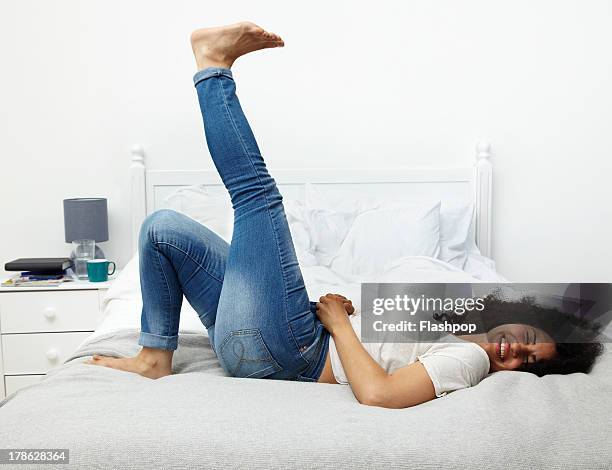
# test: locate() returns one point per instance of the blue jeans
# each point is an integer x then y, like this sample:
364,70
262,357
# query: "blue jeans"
250,294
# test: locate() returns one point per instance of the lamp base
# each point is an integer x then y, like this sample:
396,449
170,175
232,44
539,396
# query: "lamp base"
98,254
81,271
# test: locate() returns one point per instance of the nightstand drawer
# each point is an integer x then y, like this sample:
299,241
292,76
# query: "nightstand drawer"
38,352
15,382
27,312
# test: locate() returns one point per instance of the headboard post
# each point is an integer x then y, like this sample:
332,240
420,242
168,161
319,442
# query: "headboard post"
483,197
137,192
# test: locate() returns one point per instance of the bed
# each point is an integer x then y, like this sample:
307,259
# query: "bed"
198,417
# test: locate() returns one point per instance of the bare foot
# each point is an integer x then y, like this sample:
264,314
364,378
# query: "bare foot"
221,46
150,363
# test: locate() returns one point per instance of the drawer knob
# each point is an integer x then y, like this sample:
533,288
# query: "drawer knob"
49,313
52,354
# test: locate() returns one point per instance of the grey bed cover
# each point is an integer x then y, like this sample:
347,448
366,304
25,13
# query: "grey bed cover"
199,418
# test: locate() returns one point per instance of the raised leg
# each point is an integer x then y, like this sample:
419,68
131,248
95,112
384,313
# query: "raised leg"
265,325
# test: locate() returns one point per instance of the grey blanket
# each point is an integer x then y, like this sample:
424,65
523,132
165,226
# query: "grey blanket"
198,418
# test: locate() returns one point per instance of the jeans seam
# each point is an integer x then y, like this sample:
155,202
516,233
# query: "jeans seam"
278,250
182,264
197,263
192,259
161,268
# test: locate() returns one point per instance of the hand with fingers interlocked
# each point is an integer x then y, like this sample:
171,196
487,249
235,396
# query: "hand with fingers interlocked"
333,311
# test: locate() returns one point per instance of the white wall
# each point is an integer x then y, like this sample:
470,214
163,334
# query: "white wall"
359,84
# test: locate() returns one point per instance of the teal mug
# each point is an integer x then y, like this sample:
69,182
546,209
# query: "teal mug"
97,270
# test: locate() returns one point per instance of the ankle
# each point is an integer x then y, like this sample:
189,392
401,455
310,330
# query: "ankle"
153,357
206,63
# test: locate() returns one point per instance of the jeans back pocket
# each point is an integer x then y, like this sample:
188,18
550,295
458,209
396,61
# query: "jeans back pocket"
243,353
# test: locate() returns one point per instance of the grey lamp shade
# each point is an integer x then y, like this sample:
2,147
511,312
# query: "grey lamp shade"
86,218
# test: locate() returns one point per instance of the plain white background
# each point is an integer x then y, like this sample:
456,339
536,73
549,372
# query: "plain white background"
359,84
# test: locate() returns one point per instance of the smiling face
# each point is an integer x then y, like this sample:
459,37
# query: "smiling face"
511,345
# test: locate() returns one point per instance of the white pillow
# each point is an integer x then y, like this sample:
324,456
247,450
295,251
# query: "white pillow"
455,225
320,225
328,230
213,209
297,218
330,215
456,221
381,236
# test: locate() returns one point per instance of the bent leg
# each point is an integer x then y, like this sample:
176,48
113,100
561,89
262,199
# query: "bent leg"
178,256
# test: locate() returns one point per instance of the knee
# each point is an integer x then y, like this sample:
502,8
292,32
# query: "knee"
157,225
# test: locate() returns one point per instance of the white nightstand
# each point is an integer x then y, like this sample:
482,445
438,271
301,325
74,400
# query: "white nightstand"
41,326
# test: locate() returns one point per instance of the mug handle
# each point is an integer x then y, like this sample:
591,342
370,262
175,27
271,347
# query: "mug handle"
114,266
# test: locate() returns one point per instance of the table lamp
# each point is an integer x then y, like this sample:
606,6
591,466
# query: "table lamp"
86,218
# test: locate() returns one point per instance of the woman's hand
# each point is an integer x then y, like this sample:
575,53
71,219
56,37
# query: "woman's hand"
348,305
333,311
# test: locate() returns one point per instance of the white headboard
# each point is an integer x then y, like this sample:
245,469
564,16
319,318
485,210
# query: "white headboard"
149,188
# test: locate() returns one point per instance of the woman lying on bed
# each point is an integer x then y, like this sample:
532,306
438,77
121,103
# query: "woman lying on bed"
251,297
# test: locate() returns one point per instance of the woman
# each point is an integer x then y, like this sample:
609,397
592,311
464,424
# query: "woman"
250,295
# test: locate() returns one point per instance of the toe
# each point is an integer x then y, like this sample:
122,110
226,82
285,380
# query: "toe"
251,27
107,361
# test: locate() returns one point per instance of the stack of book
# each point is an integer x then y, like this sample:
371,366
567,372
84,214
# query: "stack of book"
38,272
28,279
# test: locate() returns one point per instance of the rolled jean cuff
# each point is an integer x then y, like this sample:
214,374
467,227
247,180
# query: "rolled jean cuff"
211,72
149,340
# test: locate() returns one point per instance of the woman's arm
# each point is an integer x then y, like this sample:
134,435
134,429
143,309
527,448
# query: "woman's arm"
370,383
